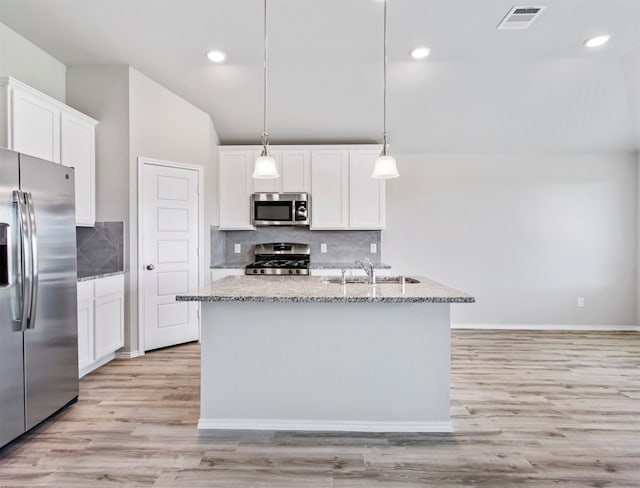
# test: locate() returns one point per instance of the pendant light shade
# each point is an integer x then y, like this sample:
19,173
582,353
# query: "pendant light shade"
265,167
385,166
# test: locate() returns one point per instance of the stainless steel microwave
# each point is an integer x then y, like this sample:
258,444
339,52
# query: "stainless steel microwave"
280,209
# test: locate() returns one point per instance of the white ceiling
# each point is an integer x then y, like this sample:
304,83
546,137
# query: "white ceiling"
481,90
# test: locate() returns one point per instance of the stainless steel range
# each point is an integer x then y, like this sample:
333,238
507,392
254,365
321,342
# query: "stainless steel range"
280,258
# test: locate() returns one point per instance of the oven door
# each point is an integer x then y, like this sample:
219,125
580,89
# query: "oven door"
275,212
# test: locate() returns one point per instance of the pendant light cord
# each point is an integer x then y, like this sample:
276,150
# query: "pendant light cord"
265,134
384,118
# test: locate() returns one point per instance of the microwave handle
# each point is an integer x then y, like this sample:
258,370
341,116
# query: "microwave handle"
301,210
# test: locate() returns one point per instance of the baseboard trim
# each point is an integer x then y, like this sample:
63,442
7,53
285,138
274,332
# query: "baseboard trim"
128,354
324,425
583,327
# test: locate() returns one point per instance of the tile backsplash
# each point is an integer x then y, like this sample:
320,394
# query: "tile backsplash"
100,249
342,245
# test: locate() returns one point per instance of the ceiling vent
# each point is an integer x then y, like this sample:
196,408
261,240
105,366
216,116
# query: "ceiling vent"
519,18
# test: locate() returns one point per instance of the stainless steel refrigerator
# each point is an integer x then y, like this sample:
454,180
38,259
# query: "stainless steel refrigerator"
38,280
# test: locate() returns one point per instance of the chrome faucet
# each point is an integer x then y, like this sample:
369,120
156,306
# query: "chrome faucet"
369,268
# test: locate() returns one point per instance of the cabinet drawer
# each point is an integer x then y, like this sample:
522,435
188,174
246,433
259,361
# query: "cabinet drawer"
85,290
109,285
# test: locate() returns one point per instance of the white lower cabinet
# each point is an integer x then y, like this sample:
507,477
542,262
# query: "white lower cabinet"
100,321
85,324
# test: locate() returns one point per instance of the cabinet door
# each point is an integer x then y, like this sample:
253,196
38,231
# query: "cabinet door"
35,126
296,171
329,189
77,149
273,185
366,194
235,189
109,324
85,333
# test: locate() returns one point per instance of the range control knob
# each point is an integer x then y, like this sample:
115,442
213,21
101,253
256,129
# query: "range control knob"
262,271
290,271
297,271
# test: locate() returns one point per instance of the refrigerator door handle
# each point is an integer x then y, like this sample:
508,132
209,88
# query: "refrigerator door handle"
25,260
34,261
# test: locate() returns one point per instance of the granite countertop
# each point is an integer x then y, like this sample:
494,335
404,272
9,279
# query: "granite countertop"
347,265
103,275
312,265
319,289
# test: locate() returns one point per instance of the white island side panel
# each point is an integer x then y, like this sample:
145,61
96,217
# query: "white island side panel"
325,366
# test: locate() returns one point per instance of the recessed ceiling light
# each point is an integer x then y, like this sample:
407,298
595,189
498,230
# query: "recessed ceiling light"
420,52
597,41
216,56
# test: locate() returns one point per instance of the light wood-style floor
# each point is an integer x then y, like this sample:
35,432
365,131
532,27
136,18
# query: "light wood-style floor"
529,409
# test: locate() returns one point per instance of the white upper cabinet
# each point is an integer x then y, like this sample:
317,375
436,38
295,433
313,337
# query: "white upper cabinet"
329,189
366,194
234,189
294,168
296,171
34,123
77,150
338,179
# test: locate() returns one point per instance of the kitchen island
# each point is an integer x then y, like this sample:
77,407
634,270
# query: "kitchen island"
306,353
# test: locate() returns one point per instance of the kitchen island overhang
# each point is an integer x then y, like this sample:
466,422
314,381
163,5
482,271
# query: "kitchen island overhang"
304,354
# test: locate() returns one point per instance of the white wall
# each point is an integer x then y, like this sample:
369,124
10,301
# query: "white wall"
638,238
631,74
28,63
164,126
526,235
102,92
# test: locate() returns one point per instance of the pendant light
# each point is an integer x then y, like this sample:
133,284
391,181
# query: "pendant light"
265,167
385,166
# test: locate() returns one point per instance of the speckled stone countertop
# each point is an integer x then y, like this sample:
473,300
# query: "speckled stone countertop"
312,265
349,265
104,275
319,289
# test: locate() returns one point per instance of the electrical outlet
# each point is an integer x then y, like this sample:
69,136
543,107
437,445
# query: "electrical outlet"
323,247
373,248
236,248
580,302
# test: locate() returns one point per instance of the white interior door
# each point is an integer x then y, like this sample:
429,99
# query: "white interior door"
169,257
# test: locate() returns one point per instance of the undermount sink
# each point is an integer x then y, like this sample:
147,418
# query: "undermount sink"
379,280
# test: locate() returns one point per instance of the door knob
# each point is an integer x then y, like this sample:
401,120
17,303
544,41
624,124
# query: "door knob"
150,267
